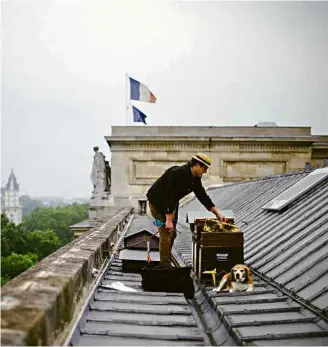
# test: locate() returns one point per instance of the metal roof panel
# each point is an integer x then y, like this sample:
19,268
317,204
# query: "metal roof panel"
282,245
138,254
98,340
274,242
260,319
301,341
140,223
174,333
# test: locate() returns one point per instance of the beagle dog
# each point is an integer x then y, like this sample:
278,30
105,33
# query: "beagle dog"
239,279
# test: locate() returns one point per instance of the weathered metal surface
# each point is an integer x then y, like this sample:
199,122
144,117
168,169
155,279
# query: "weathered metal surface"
285,247
289,248
138,318
136,254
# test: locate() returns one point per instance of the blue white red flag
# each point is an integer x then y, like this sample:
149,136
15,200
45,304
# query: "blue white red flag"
139,91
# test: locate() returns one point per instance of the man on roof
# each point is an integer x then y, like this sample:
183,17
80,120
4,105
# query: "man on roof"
164,195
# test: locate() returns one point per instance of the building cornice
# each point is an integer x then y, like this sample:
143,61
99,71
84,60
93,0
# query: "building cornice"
282,139
208,131
192,144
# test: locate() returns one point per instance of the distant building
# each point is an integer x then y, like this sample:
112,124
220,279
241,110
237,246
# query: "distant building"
266,124
139,155
10,203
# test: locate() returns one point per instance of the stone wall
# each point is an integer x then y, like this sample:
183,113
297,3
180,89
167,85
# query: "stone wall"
142,154
40,305
319,151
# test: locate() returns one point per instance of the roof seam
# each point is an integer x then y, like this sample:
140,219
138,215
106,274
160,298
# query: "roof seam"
291,295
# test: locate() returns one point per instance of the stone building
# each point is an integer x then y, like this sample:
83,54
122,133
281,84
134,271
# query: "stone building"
10,203
141,154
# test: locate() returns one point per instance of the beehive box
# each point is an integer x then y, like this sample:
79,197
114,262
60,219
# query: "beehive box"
215,245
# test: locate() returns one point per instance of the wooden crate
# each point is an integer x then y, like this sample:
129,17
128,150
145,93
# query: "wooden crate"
215,250
220,239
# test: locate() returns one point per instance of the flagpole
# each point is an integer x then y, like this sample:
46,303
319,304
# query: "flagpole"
126,99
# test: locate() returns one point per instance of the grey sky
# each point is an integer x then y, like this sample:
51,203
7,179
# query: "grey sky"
208,63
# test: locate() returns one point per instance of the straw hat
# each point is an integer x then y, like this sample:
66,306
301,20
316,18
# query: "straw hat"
203,158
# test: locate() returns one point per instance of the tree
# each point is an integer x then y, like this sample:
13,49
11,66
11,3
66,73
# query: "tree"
4,280
13,238
42,242
57,219
41,233
15,264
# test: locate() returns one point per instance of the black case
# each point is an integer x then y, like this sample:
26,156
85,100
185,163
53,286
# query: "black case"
169,279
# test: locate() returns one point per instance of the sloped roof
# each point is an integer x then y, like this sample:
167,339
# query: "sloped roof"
117,318
141,223
289,249
262,317
12,178
284,243
138,254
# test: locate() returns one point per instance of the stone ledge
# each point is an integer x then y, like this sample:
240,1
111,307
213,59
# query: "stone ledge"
125,131
47,297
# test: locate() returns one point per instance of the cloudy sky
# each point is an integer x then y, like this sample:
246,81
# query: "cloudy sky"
64,66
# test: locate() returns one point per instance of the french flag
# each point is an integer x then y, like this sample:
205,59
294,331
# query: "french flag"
138,91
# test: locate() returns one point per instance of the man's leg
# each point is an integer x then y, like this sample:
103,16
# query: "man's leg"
165,245
166,241
165,237
174,231
173,236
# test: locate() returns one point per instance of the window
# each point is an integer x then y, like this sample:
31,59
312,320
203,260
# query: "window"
296,190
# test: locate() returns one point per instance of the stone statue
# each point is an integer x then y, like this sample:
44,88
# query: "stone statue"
108,176
98,173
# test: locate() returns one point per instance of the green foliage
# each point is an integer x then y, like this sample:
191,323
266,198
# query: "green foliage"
4,279
15,264
13,238
41,233
42,242
57,219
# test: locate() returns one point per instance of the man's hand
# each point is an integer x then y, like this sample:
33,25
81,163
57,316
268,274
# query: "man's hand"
218,214
221,217
169,223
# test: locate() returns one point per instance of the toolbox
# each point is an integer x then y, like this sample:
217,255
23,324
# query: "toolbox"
216,247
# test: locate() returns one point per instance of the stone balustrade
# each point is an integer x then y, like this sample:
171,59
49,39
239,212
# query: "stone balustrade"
40,305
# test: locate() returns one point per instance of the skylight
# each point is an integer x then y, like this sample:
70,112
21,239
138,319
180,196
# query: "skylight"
297,190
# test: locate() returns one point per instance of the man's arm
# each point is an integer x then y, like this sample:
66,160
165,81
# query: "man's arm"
169,223
169,200
218,214
203,197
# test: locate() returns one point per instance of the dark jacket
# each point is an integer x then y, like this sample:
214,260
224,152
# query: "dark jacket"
174,184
